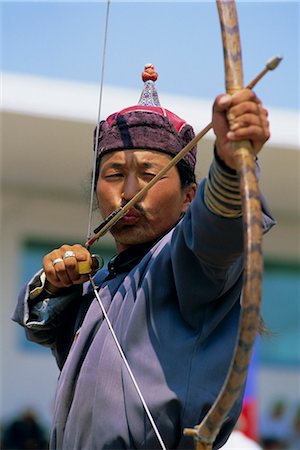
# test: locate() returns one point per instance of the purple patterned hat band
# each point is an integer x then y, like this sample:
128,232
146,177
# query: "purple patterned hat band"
146,126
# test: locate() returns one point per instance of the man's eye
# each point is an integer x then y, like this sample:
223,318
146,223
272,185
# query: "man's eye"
149,174
114,175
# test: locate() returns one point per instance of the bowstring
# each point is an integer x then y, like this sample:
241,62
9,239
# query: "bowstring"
89,230
125,361
89,233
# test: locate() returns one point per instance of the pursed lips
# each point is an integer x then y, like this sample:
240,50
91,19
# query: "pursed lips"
131,216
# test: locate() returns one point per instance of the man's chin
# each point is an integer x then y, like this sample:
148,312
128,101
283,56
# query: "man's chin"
129,235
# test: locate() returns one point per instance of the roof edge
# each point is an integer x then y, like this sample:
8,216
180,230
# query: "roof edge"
65,99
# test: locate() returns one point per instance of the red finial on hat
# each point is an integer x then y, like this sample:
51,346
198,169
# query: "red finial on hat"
149,73
149,96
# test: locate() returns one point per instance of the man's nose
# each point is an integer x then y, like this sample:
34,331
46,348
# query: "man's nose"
132,185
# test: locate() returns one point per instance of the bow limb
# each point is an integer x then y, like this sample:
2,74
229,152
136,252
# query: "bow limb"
205,433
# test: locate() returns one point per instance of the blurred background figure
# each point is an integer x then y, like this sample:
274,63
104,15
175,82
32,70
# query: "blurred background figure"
295,433
24,432
275,427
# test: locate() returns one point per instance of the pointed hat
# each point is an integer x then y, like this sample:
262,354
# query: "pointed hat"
146,126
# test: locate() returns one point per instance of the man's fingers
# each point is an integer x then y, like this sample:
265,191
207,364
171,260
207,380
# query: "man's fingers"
246,108
239,117
61,265
49,262
71,259
62,274
254,133
248,120
245,95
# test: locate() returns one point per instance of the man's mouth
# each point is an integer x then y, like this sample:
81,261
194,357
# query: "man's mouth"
131,217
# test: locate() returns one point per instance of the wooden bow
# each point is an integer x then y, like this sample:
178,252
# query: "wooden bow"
206,432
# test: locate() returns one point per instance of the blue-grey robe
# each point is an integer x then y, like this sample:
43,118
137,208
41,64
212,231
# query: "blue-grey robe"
176,316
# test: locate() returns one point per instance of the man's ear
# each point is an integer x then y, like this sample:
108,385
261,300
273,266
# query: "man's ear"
189,193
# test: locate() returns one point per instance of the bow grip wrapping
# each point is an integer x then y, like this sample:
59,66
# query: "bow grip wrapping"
205,433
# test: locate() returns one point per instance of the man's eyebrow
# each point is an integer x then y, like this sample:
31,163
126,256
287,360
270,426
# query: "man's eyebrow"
147,164
142,164
113,165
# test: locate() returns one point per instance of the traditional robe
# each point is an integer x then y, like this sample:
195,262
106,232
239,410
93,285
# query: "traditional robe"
176,315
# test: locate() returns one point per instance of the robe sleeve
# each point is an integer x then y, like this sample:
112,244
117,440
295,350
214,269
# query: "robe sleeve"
207,257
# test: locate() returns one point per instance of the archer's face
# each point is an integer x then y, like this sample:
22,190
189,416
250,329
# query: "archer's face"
123,174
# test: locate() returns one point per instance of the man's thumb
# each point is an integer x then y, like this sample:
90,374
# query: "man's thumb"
222,103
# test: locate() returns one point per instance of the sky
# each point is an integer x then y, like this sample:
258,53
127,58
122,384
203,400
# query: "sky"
182,39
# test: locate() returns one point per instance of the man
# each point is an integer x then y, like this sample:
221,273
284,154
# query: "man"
171,293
